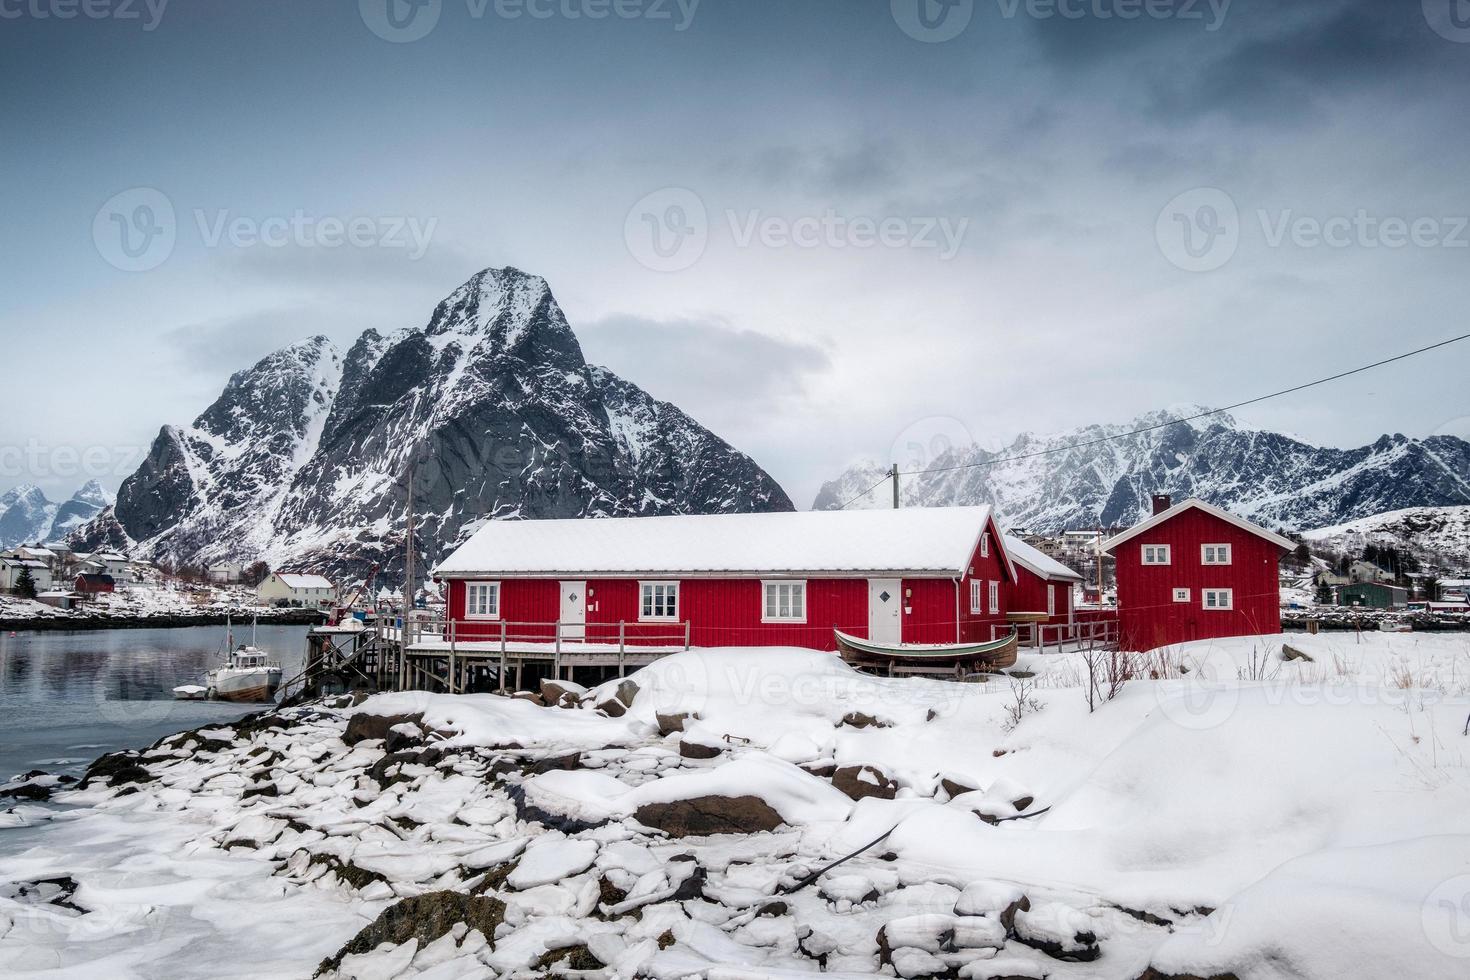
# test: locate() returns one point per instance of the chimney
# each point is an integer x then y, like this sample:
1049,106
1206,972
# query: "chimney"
1162,502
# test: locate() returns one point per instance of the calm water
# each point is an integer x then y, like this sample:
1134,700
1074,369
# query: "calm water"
66,698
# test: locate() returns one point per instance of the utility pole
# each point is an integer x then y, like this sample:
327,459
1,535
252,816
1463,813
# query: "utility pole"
894,473
408,557
1097,555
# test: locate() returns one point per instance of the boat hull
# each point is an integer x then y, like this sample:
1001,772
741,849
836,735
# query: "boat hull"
241,686
939,658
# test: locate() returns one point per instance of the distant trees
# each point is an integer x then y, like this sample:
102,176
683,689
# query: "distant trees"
25,584
1324,594
255,573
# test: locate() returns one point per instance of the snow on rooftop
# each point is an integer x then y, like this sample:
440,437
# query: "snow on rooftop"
926,540
295,581
1038,562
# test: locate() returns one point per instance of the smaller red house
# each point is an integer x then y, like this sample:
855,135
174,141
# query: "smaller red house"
90,584
1043,589
1196,572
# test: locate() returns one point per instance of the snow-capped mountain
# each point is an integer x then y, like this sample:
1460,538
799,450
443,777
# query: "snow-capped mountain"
301,461
1101,475
27,517
1440,536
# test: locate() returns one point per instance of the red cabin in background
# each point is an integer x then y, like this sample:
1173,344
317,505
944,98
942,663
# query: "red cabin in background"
924,575
1043,590
1194,572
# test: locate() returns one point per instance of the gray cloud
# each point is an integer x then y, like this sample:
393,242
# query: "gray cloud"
721,374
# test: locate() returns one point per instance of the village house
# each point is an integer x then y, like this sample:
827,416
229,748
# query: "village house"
1373,595
92,583
1193,572
925,575
293,589
1043,589
13,566
226,573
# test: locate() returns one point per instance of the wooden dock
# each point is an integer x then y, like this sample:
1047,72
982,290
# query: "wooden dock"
433,655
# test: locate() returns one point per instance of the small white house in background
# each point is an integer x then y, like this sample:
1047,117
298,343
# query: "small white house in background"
226,573
296,589
13,565
109,563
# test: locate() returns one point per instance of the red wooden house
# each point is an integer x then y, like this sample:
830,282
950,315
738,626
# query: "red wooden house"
924,575
1194,572
1043,590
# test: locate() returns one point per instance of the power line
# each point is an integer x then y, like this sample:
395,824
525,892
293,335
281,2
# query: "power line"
1162,425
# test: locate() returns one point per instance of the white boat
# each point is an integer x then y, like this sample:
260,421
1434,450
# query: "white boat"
249,675
191,692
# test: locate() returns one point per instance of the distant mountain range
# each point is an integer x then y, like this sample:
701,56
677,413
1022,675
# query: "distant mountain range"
302,460
1438,536
1100,474
27,517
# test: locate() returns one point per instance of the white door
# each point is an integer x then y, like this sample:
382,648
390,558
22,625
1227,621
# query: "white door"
573,610
885,610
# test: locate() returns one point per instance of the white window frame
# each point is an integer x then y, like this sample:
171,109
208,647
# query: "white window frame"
797,589
1051,599
977,597
1182,595
1204,554
1228,594
994,598
1163,554
645,594
492,608
985,545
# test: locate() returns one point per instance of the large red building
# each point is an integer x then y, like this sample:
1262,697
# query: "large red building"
1194,572
923,575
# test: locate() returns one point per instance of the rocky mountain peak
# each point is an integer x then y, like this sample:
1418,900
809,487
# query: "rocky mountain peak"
303,458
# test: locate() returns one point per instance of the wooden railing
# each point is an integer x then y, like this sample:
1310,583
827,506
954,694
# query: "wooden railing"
1058,636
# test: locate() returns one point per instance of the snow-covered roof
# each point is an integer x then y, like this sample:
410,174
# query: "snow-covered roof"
1038,562
1196,504
920,541
294,581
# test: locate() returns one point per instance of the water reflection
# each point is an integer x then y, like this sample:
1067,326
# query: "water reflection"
75,695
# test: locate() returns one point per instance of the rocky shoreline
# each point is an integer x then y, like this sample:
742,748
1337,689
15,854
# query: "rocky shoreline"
699,819
76,623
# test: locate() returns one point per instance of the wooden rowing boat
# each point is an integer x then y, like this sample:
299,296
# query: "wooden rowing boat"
959,658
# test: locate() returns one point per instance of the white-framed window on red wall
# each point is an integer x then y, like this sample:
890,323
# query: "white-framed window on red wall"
784,602
1156,554
482,600
658,602
977,597
1051,599
985,544
994,598
1214,554
1217,598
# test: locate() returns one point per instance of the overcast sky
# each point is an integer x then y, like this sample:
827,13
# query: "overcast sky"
813,224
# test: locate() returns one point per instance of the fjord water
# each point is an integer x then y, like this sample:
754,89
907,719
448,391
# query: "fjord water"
66,698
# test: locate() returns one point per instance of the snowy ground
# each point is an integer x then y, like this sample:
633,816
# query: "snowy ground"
1228,813
142,602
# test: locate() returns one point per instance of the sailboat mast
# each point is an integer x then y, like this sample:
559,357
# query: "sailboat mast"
408,557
